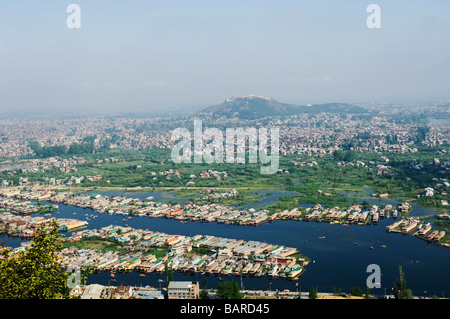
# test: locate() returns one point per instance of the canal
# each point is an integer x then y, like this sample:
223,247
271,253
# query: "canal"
339,254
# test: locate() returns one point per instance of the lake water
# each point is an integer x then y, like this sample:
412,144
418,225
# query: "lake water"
338,261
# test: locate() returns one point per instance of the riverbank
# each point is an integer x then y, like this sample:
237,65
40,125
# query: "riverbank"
425,264
125,249
127,207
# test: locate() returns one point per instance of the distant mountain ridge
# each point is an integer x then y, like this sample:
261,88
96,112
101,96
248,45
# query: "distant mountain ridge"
253,107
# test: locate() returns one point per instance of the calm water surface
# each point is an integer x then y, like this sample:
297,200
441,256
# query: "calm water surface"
338,261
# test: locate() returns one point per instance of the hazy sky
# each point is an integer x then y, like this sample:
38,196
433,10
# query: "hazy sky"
157,55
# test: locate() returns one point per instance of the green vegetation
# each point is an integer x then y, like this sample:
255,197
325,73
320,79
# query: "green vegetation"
200,251
50,151
102,244
228,290
301,256
340,179
36,272
337,291
357,291
168,272
157,251
367,293
46,208
444,224
399,287
312,293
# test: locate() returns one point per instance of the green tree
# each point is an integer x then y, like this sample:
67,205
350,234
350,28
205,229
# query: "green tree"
338,155
399,288
337,291
36,272
357,291
168,271
365,204
349,156
204,282
312,293
367,294
422,132
228,290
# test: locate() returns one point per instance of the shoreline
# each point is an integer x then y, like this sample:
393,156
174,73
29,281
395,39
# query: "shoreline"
215,212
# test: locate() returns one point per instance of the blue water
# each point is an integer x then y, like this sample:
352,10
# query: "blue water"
338,262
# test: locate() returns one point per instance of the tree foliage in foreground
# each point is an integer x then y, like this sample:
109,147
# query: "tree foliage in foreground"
399,288
35,273
312,293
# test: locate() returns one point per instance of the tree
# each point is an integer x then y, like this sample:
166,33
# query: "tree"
337,291
357,291
365,204
422,132
82,148
338,155
367,294
399,287
169,273
228,290
204,282
346,156
36,272
312,293
349,156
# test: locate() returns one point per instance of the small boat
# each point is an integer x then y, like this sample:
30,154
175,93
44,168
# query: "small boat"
383,246
355,243
322,237
142,275
371,248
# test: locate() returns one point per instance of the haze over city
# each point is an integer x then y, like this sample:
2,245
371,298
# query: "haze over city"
181,55
225,150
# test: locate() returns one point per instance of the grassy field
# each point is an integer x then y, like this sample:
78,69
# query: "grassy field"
323,183
102,244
